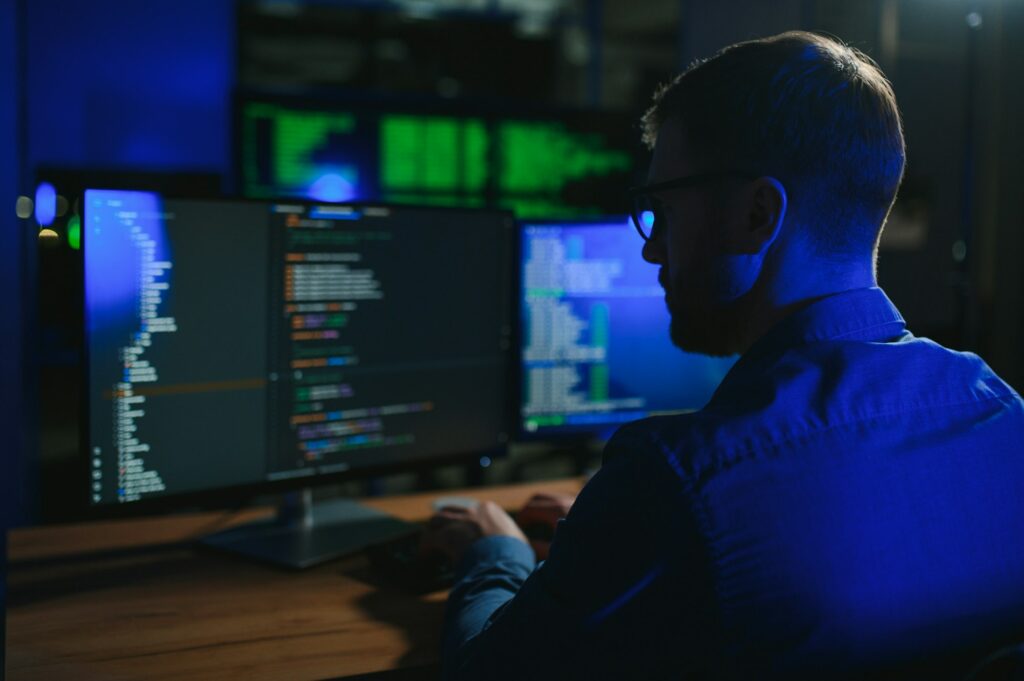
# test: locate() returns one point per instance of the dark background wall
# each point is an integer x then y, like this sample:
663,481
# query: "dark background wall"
115,84
11,240
998,269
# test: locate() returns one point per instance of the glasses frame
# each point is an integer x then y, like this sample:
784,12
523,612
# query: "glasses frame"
678,183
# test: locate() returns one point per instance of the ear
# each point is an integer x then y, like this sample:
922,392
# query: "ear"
762,214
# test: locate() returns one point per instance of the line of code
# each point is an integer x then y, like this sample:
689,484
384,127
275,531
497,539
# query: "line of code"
327,283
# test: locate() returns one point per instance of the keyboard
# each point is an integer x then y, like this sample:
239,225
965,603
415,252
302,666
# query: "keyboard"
400,561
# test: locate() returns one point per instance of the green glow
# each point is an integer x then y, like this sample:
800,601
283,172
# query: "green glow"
476,143
399,147
543,157
600,318
599,382
522,165
545,421
433,154
75,232
296,136
336,321
441,154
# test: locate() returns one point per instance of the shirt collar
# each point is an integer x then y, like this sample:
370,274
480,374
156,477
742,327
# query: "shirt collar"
864,314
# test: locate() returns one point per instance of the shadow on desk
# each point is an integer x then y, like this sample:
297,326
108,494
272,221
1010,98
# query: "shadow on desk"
419,619
39,582
197,614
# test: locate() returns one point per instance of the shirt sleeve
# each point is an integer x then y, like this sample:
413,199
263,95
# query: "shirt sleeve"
488,576
620,596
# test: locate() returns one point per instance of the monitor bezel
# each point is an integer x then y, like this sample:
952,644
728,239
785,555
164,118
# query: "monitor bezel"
241,495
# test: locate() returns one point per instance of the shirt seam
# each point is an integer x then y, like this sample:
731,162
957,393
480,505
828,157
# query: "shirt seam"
862,329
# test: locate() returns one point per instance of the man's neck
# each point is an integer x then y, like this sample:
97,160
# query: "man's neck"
793,285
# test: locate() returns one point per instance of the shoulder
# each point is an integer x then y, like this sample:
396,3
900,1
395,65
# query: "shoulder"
791,403
847,381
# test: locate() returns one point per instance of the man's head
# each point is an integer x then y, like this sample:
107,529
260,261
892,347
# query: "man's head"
813,133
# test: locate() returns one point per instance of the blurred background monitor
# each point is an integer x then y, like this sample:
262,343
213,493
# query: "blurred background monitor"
59,332
538,164
595,340
244,346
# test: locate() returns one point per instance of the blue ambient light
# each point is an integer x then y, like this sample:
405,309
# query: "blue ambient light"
332,187
46,204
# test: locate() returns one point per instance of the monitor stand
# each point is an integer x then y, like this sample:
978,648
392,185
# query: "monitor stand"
304,534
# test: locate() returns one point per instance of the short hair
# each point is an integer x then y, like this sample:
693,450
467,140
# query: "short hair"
816,114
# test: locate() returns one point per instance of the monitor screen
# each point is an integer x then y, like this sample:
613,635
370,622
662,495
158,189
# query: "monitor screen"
561,165
232,343
595,333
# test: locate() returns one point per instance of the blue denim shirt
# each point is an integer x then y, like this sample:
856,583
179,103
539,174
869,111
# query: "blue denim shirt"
851,497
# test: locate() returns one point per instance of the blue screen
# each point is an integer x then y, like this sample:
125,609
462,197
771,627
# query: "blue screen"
595,333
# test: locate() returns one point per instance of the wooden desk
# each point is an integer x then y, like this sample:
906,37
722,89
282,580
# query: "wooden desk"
134,600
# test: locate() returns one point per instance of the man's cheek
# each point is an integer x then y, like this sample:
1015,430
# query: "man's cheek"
731,276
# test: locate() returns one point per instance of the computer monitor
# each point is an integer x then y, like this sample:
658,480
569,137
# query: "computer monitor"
537,164
595,340
244,345
59,328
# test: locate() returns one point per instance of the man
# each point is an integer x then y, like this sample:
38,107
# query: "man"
849,501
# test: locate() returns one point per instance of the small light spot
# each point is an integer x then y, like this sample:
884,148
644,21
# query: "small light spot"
332,187
974,20
75,232
959,251
647,218
46,204
24,207
485,462
48,238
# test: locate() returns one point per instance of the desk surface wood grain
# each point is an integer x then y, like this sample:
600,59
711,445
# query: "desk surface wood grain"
134,599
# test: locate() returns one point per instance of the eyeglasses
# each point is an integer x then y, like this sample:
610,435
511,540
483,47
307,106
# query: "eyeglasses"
646,208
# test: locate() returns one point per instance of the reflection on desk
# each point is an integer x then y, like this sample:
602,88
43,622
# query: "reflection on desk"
134,599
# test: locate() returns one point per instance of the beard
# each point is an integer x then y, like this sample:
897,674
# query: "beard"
711,298
711,308
714,330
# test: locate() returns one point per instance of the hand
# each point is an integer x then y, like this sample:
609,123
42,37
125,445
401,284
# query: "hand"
454,528
542,512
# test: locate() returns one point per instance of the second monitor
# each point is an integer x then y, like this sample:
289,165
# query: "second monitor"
595,340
